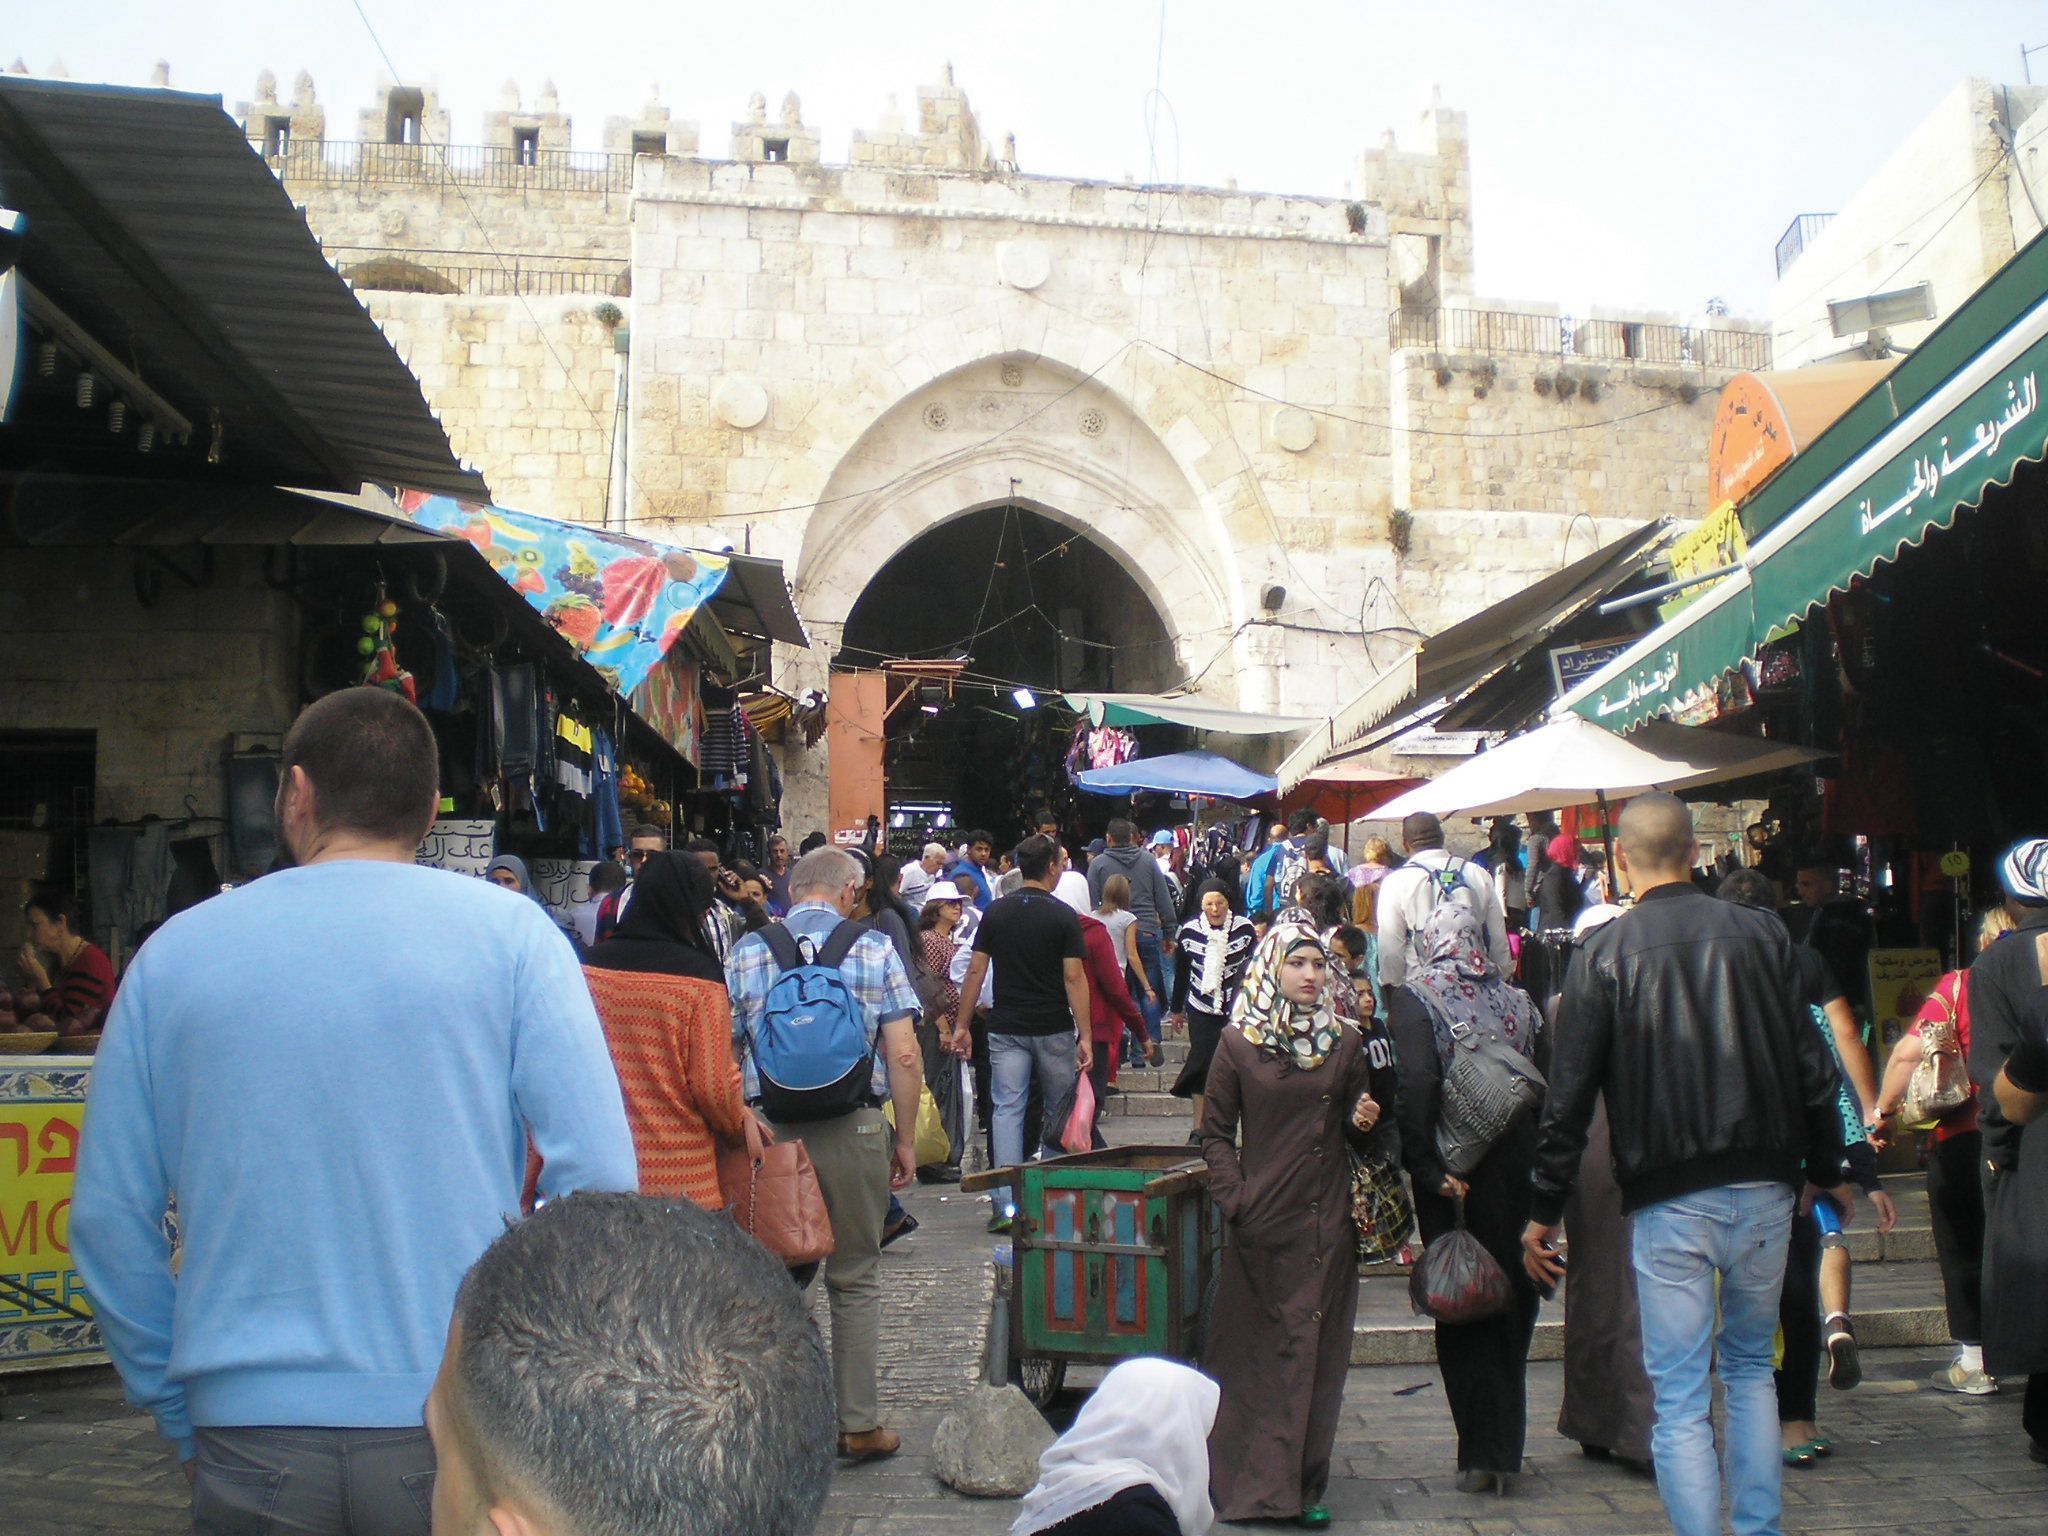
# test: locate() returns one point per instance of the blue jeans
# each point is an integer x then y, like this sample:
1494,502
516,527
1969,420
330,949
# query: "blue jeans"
1738,1236
1012,1061
1152,959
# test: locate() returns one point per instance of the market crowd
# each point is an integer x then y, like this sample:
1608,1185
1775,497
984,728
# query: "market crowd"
401,1209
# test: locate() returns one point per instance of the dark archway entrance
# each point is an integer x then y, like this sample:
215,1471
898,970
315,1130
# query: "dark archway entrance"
1029,603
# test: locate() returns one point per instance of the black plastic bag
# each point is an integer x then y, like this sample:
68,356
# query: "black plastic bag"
1456,1280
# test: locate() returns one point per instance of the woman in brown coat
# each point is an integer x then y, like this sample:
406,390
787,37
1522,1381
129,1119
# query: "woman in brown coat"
1295,1081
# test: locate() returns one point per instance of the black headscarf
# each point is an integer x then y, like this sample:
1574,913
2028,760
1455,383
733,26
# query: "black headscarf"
662,931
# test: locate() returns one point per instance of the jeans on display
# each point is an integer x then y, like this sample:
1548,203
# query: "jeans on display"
1014,1062
1152,958
1736,1235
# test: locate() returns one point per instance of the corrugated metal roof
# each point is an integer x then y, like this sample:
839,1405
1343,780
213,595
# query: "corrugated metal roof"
155,226
755,601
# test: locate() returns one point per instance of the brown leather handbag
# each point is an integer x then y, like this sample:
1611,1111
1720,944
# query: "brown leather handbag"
772,1192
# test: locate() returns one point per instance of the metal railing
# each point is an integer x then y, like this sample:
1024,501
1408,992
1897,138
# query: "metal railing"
385,269
338,162
1504,332
1799,234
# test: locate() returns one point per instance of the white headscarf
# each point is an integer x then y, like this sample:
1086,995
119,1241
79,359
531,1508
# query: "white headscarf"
1147,1425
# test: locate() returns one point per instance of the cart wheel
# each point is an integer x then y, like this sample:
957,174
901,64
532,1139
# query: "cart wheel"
1039,1378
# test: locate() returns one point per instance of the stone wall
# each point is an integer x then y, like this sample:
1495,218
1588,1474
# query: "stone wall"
164,686
525,387
1521,434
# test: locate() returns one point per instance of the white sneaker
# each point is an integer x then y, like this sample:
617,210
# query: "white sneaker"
1953,1378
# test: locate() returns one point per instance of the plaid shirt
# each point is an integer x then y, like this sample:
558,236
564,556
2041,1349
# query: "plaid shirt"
874,975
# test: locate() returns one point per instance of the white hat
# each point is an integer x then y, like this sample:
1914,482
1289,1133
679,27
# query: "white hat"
943,890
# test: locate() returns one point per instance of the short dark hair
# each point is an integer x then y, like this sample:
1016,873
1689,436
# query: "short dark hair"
1421,830
1352,938
1656,830
1820,859
703,845
1045,816
811,840
1301,821
979,836
372,761
646,829
678,1388
608,876
1749,888
55,903
1035,857
1121,829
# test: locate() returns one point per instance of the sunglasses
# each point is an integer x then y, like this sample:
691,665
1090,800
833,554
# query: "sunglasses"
639,855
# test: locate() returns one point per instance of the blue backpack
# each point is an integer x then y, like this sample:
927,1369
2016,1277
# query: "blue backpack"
812,1050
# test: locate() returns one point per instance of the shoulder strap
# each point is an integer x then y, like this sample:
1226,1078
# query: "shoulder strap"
783,946
839,944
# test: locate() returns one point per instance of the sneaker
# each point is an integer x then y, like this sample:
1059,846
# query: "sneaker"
1953,1378
1845,1370
999,1225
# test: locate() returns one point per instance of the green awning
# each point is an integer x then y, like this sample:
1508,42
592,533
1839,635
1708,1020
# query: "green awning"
1979,417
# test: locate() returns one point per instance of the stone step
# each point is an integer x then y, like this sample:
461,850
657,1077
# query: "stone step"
1894,1305
1151,1105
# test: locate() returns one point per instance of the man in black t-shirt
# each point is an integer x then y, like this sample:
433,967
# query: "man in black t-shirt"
1038,1024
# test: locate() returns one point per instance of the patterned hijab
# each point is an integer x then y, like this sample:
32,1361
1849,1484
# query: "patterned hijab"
1458,984
1300,1036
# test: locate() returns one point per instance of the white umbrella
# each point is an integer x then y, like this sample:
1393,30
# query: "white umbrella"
1571,761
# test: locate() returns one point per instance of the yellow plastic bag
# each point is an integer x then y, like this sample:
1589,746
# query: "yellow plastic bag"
932,1149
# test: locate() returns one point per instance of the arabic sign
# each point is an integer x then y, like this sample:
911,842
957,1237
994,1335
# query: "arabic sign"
1714,545
1571,665
45,1316
465,844
1900,980
1843,533
1977,444
621,602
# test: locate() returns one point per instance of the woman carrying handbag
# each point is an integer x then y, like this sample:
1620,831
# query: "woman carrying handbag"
1454,990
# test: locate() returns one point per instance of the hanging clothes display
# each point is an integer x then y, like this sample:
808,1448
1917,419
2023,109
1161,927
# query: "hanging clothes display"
606,830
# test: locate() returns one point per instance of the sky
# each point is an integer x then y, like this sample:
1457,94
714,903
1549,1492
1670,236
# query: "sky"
1630,155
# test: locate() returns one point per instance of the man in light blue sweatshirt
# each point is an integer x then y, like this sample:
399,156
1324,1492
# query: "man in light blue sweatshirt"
333,1072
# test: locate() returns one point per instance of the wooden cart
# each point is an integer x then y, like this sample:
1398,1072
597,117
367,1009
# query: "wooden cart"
1111,1257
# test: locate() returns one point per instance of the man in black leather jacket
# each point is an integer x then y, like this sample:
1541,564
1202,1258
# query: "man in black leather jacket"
1686,1014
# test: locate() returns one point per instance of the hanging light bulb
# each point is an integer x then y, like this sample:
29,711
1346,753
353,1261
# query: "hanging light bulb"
145,437
117,417
86,385
46,360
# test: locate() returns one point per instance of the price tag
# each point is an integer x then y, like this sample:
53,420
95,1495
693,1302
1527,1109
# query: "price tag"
1955,864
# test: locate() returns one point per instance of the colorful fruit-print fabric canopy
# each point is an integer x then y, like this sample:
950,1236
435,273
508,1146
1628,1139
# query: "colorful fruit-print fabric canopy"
621,602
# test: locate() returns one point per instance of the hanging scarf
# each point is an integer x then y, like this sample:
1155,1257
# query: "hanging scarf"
662,930
1458,984
1300,1036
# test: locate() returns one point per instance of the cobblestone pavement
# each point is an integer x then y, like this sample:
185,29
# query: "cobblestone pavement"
74,1458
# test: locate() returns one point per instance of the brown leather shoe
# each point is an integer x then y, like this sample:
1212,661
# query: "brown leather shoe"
870,1444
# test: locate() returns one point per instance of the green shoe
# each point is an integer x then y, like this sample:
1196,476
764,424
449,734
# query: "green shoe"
1821,1445
1314,1518
999,1224
1799,1455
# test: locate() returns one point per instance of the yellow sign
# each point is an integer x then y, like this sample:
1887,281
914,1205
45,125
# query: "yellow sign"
44,1313
1716,543
1900,980
1955,864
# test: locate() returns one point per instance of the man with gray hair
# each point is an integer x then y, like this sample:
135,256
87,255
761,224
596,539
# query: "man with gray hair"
849,1147
918,877
675,1389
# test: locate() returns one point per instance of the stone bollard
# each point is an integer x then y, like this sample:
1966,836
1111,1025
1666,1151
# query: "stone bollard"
988,1447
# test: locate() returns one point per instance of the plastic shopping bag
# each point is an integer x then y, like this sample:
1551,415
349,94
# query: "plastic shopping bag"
1456,1280
931,1148
1079,1134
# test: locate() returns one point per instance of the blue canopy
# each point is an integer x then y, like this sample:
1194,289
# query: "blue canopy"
1181,773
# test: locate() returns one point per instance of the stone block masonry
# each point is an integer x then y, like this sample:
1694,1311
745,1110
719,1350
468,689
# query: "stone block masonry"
1221,388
